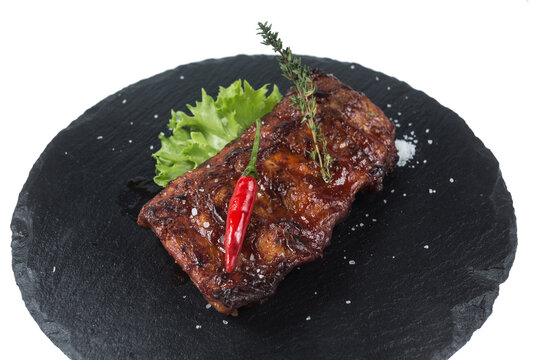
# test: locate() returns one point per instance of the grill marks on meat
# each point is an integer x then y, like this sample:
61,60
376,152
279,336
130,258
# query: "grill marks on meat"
295,211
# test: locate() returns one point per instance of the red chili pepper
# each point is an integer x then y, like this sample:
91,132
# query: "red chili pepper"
241,207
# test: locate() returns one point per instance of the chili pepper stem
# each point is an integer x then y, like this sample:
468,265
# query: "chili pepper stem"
250,169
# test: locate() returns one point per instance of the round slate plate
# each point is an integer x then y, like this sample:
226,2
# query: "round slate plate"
411,273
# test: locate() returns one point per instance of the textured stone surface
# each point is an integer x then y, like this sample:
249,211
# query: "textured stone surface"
410,274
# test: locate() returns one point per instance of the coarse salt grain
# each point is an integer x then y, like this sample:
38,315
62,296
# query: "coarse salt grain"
225,322
451,180
352,262
430,141
406,151
426,246
206,224
151,147
156,116
348,302
208,306
308,318
352,66
194,212
198,327
124,101
99,137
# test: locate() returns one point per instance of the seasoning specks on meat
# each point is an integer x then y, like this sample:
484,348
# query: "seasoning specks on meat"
295,210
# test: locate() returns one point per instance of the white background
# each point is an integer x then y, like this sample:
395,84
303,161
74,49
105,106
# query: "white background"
479,58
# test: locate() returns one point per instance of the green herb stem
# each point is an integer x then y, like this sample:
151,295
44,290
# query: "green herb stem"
304,101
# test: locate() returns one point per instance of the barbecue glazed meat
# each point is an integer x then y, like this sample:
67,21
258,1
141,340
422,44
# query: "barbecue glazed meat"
295,210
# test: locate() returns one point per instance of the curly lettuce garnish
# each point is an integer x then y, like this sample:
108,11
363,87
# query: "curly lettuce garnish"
213,124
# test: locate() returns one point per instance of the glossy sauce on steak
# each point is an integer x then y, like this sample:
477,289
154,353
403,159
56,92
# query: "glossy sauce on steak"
295,210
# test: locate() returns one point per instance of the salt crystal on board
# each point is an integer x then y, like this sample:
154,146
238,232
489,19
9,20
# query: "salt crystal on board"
406,151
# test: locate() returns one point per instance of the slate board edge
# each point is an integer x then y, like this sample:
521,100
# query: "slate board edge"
55,331
494,275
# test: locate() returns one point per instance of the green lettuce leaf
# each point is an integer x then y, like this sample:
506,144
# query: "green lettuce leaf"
211,126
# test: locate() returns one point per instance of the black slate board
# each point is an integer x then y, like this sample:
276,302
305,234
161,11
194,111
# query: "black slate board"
425,269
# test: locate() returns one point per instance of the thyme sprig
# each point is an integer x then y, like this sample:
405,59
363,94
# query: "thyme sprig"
303,101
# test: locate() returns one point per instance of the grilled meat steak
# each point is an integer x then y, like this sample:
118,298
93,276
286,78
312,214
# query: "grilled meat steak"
295,210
